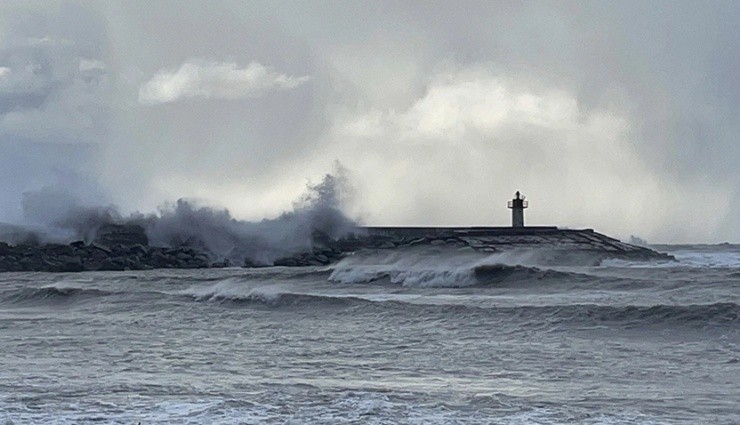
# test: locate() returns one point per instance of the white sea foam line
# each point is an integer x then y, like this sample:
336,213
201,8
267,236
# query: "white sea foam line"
235,288
685,259
415,276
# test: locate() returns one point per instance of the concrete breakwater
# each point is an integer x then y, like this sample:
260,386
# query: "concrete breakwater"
551,244
126,247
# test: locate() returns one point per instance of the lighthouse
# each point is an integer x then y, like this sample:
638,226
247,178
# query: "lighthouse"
517,206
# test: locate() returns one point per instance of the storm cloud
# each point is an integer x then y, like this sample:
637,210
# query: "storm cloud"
621,116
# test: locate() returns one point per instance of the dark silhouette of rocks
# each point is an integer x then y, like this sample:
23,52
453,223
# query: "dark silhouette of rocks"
126,247
78,257
121,234
555,246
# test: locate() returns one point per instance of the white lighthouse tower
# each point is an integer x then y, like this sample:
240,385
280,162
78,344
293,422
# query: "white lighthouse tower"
517,206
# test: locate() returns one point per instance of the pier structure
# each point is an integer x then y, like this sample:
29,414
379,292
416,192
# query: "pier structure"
557,246
517,206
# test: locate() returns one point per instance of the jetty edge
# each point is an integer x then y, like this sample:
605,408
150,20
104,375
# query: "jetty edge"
553,245
119,247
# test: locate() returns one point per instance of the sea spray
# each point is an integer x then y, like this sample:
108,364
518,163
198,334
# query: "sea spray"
58,216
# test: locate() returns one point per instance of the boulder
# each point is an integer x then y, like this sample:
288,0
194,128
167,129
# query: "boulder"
121,234
6,249
31,263
111,265
286,262
138,249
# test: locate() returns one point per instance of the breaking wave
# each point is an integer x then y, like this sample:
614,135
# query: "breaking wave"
549,315
427,268
231,291
62,292
481,275
51,294
54,215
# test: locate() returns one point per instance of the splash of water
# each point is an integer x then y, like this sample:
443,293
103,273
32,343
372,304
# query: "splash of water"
60,217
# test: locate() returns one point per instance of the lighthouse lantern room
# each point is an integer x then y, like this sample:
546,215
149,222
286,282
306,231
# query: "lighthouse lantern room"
517,206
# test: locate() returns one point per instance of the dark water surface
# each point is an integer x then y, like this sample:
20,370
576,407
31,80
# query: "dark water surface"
407,337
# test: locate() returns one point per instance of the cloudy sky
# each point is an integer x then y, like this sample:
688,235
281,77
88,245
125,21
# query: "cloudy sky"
621,116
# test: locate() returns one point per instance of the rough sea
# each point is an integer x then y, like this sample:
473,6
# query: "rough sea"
407,337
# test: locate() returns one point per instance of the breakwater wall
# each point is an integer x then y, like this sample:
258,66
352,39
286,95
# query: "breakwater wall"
126,247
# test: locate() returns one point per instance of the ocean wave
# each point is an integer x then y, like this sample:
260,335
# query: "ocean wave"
500,273
66,292
416,277
684,260
230,292
51,294
475,274
717,313
550,315
429,267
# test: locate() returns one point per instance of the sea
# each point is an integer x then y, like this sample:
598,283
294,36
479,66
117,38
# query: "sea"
416,336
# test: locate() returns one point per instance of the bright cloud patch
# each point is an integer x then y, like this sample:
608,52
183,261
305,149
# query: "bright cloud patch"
215,80
461,149
91,65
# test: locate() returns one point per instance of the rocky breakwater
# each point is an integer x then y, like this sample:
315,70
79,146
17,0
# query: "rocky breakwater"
116,247
539,245
126,247
319,255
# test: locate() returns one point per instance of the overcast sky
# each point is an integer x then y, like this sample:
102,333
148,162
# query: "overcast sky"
621,116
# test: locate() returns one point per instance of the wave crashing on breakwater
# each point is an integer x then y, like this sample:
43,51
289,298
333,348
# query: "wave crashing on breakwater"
61,218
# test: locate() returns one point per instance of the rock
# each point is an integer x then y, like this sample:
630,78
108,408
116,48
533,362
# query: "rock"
160,260
327,252
100,247
67,263
123,234
91,264
286,262
31,263
416,241
58,250
99,254
222,264
138,249
249,263
5,249
9,264
111,265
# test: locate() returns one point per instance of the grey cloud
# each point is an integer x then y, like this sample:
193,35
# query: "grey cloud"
53,112
666,71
